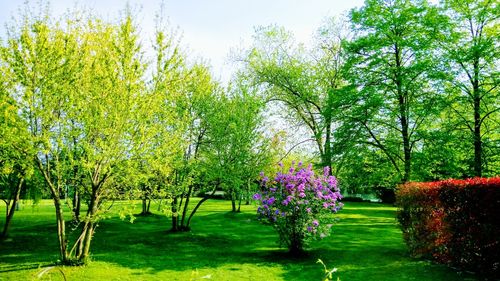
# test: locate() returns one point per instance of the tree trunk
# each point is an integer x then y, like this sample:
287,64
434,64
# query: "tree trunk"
403,116
174,215
240,198
406,149
144,206
88,229
186,204
198,205
61,231
478,149
76,205
327,158
11,209
233,201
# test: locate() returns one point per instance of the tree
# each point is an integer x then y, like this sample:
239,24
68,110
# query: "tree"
191,101
80,90
390,67
306,82
235,149
15,166
471,51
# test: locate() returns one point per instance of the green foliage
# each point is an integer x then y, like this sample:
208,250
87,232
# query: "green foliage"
304,82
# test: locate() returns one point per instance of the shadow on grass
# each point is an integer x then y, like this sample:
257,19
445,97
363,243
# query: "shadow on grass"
365,244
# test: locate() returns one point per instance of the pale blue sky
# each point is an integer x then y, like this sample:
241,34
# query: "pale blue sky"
211,28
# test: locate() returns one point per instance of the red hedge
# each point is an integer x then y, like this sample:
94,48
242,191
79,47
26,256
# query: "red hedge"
456,222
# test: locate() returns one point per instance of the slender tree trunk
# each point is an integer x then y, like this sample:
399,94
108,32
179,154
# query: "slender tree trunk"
406,149
403,116
11,209
61,223
88,229
76,205
144,206
186,205
233,200
240,198
327,158
175,215
61,231
478,148
198,205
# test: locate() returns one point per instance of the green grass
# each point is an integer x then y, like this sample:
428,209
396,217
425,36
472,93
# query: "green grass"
366,244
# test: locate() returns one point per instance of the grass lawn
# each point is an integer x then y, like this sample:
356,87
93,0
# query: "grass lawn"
366,244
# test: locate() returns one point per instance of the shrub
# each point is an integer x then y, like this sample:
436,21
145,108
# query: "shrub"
454,222
298,204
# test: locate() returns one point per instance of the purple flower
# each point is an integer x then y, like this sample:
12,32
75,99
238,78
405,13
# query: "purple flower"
315,223
326,171
261,174
309,229
302,195
271,200
257,196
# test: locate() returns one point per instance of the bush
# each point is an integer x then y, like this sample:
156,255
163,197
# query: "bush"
297,204
455,222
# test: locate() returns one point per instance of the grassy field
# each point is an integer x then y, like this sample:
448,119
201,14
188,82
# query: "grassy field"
366,244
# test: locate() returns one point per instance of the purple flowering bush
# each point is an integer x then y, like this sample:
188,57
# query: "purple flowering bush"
298,204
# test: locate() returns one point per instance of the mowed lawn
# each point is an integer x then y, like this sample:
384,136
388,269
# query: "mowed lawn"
366,244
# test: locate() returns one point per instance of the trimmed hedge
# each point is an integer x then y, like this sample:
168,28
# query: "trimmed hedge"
456,222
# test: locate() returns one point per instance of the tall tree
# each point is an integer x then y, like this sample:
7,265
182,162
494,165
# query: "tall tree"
390,67
80,90
235,149
306,82
15,160
471,49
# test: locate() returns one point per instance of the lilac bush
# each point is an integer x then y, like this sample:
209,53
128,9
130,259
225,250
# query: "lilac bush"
298,204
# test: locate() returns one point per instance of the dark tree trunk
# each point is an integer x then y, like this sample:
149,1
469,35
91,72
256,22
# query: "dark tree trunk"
327,158
89,227
198,205
76,205
478,148
403,115
240,198
61,231
61,223
145,210
233,201
186,205
175,215
11,206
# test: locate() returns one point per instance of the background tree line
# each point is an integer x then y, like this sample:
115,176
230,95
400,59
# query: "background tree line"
399,91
